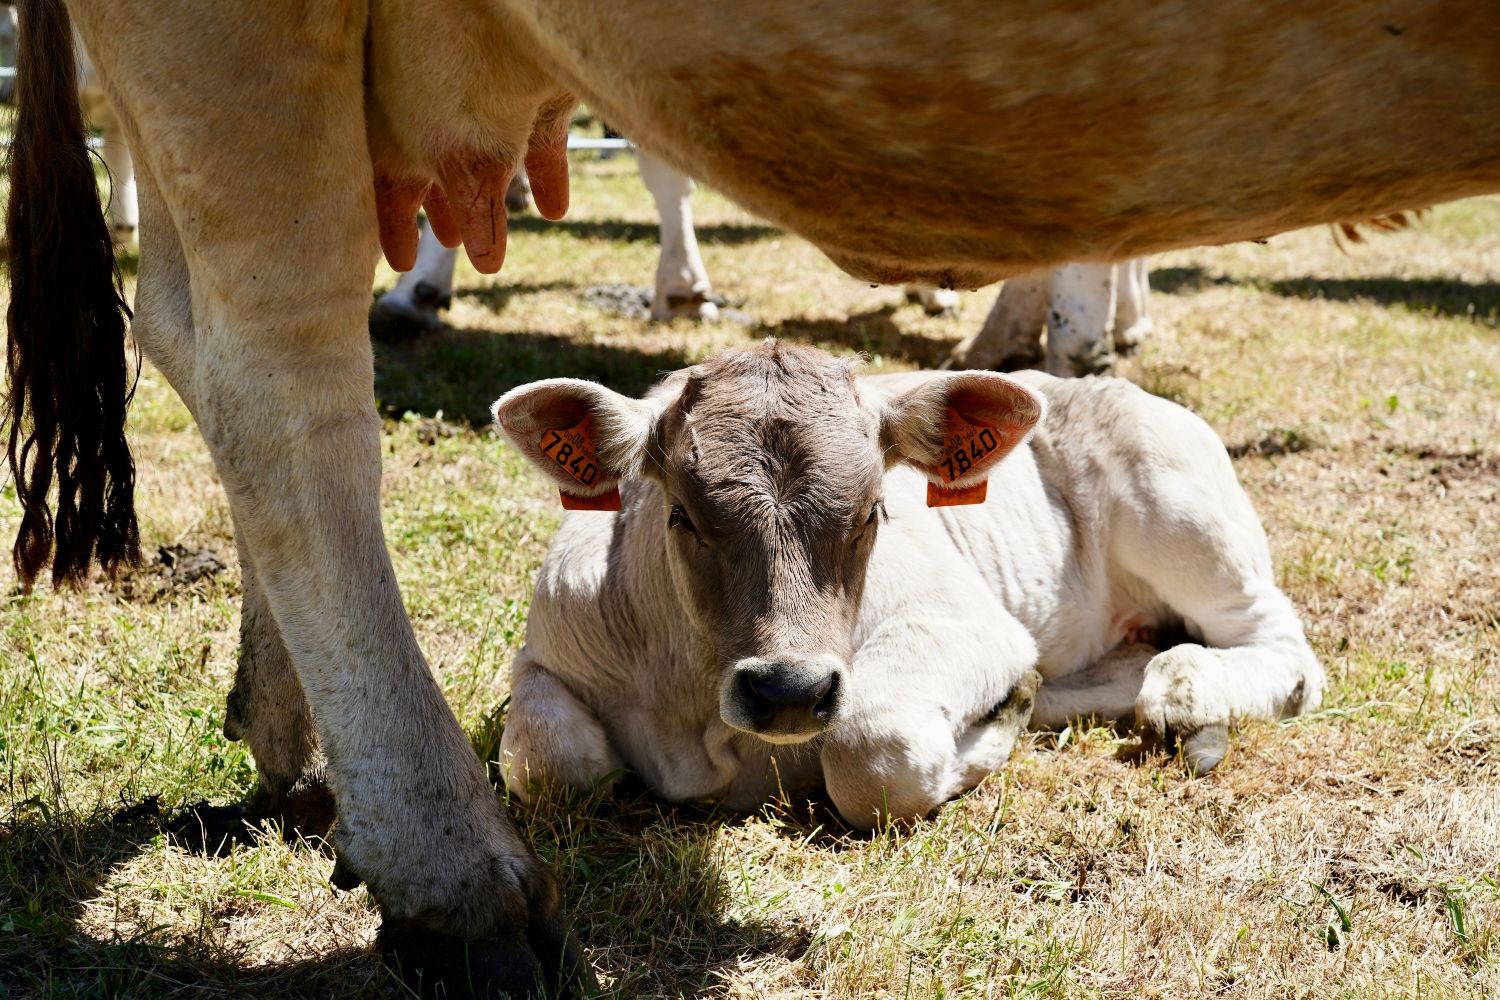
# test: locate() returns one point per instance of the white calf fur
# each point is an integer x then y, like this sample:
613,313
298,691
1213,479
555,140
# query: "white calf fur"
1121,515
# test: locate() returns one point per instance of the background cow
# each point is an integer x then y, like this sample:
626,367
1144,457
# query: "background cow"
805,584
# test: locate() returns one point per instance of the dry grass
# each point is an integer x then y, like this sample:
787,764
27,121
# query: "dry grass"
1353,853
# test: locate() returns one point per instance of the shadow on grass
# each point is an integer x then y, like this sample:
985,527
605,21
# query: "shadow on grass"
644,885
497,296
648,893
50,866
462,371
617,231
874,333
1449,297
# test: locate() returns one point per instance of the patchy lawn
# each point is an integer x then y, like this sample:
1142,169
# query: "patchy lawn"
1353,853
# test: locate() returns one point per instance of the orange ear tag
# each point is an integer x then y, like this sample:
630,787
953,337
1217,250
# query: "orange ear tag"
608,500
965,445
573,450
939,497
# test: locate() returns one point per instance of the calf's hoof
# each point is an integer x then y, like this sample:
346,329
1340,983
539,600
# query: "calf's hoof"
544,961
1180,707
1205,747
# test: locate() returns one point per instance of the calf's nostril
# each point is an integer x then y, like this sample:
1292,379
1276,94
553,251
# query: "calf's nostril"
753,699
828,696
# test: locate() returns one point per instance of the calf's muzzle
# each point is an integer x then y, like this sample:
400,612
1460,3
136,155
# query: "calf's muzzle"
782,699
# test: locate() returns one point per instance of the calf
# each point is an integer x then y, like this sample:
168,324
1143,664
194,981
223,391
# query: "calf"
816,579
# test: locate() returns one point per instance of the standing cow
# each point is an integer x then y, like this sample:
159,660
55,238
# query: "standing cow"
807,584
278,143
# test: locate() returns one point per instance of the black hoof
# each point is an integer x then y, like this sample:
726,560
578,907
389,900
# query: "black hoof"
546,963
389,325
1204,749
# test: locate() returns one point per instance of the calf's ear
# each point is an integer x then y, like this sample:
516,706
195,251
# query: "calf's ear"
955,428
581,435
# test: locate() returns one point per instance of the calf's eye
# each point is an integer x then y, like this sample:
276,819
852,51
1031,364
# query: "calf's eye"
679,519
874,514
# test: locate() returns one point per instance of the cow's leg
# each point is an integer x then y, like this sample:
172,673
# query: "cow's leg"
411,308
1133,323
124,210
934,301
551,737
518,192
1080,323
279,379
906,741
1107,689
266,708
1011,337
682,286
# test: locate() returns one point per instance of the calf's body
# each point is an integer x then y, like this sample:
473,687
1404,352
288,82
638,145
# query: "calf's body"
1120,519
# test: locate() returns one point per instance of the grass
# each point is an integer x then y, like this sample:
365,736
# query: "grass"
1353,853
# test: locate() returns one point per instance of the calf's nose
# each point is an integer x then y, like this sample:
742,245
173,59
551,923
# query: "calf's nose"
783,699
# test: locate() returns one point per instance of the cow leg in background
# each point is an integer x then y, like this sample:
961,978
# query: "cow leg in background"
267,709
934,301
682,286
411,308
280,383
1133,322
1011,337
124,211
1081,321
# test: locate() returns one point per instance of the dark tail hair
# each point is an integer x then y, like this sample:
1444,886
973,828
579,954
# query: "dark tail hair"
69,380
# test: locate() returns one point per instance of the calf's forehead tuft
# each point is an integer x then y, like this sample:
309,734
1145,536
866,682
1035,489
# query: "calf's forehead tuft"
777,424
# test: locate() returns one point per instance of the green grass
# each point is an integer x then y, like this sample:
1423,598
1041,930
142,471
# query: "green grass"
1353,853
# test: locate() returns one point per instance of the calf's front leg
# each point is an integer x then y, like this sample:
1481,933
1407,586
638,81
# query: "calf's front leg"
909,739
551,737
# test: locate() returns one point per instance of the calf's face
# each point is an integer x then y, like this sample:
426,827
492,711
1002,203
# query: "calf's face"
771,466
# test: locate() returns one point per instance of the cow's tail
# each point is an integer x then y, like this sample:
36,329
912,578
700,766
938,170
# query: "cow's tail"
69,379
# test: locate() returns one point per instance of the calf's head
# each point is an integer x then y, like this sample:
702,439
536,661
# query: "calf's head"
771,465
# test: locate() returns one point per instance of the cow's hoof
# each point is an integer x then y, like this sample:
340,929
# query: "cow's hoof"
1128,340
1203,749
699,306
545,962
395,319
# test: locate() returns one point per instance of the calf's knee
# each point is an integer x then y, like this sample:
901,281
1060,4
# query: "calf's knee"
551,738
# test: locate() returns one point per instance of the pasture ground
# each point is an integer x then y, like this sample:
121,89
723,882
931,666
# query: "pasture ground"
1352,853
